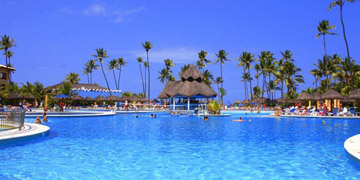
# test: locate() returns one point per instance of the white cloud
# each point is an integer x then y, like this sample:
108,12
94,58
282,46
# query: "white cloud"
117,15
180,55
95,9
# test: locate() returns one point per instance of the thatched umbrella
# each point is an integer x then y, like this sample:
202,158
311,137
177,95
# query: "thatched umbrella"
331,94
259,100
76,98
237,102
355,94
304,97
111,98
285,100
88,98
316,96
125,98
245,102
29,96
100,98
14,95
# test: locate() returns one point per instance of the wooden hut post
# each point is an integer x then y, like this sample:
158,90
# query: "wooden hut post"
173,103
188,104
45,101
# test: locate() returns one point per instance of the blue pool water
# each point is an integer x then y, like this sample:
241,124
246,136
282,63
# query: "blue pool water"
181,147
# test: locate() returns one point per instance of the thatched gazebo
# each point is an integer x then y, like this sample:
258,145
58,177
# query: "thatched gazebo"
285,100
88,98
355,94
111,98
190,86
245,102
237,102
303,97
76,98
259,100
316,96
100,98
332,94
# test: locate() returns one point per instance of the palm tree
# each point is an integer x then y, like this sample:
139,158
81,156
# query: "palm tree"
121,62
100,55
86,71
323,29
6,43
146,65
270,67
245,78
287,56
92,67
218,81
113,64
163,75
208,77
292,77
183,69
8,55
72,78
257,68
166,73
27,89
140,61
340,3
272,87
221,58
201,63
257,91
262,64
246,59
39,91
147,46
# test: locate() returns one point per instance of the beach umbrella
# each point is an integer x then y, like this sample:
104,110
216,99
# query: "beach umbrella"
245,102
355,94
316,96
259,100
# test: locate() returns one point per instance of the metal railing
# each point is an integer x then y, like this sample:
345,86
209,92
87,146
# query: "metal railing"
11,119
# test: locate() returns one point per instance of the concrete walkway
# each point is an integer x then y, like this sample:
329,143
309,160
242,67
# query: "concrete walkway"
352,146
30,129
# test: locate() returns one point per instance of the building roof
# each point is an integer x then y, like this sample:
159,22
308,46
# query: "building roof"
7,67
78,86
190,85
332,94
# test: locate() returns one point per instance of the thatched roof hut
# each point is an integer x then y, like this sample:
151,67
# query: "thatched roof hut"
111,98
355,94
100,98
332,94
191,85
88,98
76,97
245,102
285,100
259,100
304,97
316,96
237,102
15,95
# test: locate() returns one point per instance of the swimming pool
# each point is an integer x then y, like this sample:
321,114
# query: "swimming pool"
181,147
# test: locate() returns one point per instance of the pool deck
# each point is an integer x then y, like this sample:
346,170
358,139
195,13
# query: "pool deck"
352,146
73,114
322,117
30,129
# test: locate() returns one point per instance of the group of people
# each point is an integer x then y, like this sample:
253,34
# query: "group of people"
301,110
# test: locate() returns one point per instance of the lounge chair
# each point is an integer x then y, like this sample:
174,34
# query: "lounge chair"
351,112
343,112
334,112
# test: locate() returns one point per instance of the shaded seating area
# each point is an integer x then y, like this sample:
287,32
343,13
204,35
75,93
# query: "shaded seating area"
187,92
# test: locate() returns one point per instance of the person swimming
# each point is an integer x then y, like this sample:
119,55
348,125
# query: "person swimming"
240,119
206,118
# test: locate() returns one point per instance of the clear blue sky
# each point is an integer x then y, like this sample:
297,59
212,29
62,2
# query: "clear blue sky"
56,37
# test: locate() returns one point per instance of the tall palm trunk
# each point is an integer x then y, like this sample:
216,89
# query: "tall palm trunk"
116,85
142,79
347,48
222,85
88,78
282,88
91,78
326,63
107,83
263,85
6,56
145,83
251,93
147,58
